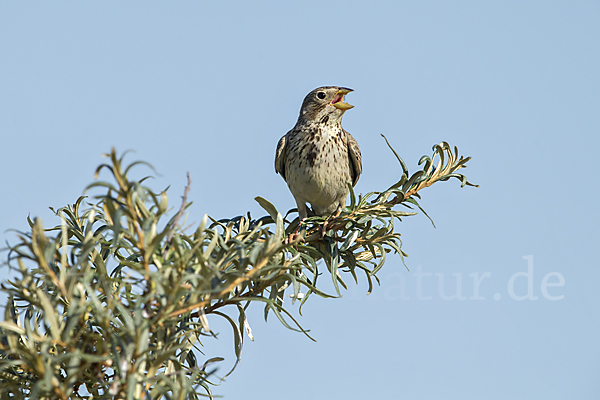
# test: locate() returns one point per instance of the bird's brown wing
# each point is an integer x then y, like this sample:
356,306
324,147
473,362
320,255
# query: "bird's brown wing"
355,158
280,157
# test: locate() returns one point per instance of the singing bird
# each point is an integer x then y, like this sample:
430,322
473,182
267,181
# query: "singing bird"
318,158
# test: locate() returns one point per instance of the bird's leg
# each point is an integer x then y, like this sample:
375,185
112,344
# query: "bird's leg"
293,238
297,230
326,223
296,236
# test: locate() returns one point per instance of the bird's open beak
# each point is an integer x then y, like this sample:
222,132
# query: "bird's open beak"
338,100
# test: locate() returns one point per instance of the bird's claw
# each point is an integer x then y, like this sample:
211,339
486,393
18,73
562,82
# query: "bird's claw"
323,229
293,238
325,225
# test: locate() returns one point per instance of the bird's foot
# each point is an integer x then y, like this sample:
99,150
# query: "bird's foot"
323,229
325,225
294,238
337,213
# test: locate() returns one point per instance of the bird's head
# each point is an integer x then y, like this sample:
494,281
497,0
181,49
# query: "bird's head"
325,104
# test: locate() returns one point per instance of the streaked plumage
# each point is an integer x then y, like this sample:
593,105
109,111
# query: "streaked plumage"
318,158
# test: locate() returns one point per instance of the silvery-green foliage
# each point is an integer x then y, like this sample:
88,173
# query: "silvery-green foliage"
112,301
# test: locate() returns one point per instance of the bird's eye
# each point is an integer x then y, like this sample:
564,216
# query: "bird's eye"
321,95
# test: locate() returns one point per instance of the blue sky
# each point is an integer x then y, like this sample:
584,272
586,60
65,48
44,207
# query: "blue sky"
209,87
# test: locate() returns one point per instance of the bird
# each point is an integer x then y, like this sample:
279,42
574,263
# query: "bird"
317,158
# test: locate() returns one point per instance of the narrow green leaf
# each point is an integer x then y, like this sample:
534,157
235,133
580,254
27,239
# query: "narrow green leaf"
404,168
267,206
